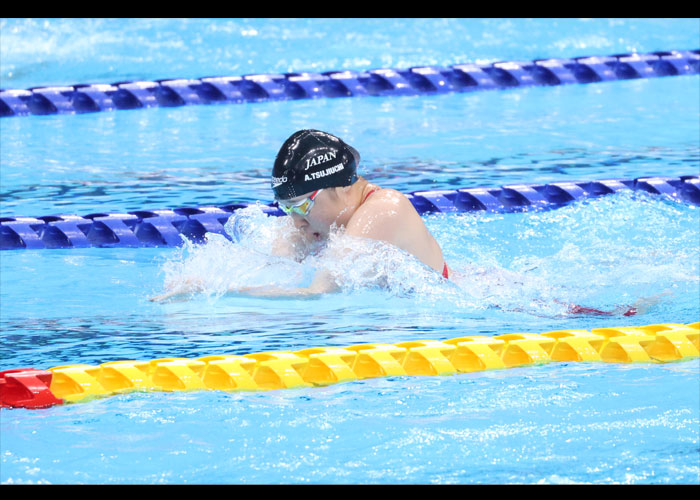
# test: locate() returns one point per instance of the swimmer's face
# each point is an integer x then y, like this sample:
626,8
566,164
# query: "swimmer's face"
317,222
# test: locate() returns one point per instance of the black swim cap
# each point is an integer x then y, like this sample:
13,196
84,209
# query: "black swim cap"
311,160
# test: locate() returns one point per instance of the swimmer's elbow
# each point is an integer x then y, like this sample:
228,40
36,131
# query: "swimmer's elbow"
323,283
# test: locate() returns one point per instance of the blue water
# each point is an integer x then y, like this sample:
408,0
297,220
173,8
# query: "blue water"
559,423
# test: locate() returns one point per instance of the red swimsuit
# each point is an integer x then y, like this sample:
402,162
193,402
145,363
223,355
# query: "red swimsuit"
445,272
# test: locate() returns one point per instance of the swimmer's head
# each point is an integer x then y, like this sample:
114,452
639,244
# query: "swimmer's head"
311,160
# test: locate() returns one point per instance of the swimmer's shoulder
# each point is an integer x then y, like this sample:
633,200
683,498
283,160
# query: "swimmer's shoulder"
385,198
383,214
391,205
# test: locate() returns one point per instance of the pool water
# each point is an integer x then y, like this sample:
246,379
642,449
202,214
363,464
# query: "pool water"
557,423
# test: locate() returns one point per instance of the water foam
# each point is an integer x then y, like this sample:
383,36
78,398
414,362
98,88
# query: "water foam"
594,253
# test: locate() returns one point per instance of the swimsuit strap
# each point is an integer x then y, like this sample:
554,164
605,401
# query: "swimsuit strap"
369,194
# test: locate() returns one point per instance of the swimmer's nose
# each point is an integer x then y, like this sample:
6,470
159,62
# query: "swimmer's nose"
299,221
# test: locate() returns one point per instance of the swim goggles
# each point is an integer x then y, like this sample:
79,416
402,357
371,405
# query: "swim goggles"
302,207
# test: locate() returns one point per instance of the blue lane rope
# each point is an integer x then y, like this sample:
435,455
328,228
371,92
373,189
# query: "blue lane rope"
422,80
154,228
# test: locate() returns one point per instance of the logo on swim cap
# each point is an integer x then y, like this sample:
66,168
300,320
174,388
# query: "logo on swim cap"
278,181
311,160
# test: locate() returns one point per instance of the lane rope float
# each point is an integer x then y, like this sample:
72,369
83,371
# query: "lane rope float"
322,366
164,228
418,80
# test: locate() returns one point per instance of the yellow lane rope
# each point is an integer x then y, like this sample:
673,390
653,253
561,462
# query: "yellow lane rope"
322,366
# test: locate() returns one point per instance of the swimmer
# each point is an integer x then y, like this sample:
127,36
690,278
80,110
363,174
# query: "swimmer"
315,182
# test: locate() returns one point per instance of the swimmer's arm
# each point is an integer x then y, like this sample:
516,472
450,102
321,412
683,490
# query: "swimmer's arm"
323,283
187,287
169,296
